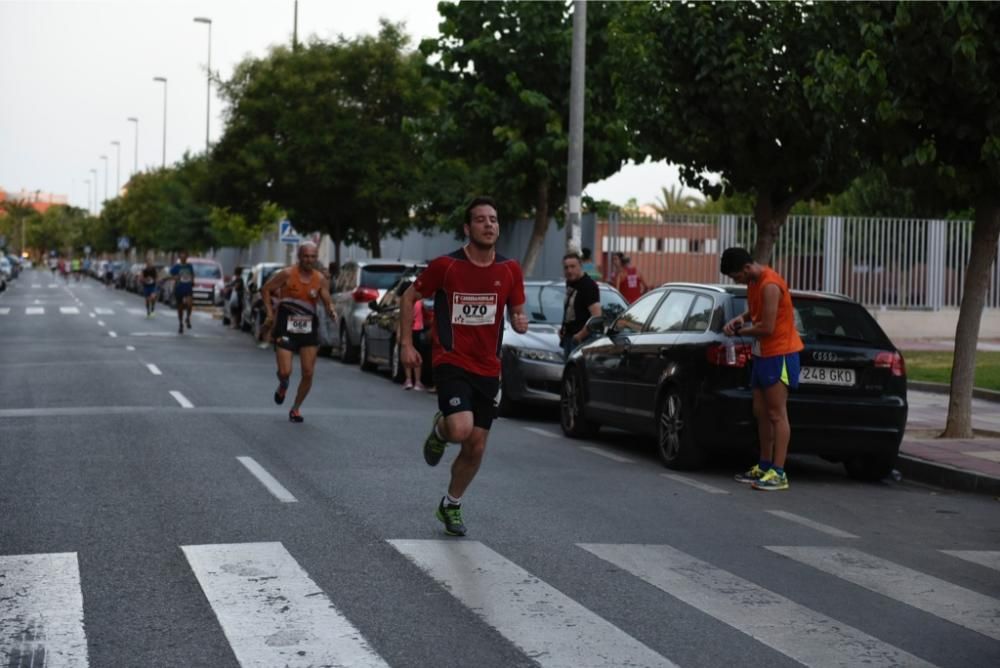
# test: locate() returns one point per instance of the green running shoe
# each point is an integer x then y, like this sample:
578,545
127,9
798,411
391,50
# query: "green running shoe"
751,476
451,516
772,482
434,446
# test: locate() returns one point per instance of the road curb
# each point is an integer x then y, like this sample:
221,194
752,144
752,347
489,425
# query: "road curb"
943,388
942,475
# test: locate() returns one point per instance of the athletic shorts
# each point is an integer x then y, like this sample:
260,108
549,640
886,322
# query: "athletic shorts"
182,290
285,324
148,290
460,390
766,371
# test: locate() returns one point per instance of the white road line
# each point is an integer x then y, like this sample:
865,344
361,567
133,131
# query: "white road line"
181,399
130,348
69,310
272,612
268,480
805,521
113,335
104,311
956,604
136,311
605,453
705,487
34,310
101,323
5,310
36,285
92,315
53,285
542,432
550,627
987,558
153,369
41,611
804,635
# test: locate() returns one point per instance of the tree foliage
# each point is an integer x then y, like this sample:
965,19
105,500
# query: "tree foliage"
503,71
722,88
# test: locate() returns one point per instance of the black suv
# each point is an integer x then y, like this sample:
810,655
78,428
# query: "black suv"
665,368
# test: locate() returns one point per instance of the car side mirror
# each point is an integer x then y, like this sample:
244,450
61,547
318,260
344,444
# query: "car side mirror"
596,324
373,305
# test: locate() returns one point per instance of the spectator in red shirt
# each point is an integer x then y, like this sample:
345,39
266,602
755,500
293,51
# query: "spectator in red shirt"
472,288
630,282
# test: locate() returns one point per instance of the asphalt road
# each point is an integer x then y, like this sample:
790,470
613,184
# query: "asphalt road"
135,531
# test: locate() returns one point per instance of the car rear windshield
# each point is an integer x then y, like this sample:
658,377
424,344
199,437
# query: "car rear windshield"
818,319
547,303
207,270
381,276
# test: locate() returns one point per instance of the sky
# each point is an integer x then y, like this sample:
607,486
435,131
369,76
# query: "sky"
72,72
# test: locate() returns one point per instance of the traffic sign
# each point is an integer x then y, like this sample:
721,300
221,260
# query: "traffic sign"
123,243
287,233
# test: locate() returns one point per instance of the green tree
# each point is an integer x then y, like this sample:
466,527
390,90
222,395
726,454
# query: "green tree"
167,209
926,75
673,200
721,88
503,71
322,132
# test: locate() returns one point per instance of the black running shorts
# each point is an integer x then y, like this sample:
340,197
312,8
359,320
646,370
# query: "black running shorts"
460,390
295,329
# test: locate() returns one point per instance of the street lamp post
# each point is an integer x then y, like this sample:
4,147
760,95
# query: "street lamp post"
135,163
90,205
208,97
118,166
94,172
163,80
105,159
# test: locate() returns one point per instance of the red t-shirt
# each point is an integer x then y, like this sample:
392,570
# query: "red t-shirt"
469,303
628,284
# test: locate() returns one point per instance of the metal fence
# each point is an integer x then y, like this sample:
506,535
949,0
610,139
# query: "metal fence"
880,262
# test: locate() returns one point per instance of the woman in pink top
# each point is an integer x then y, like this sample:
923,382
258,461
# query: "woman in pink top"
412,378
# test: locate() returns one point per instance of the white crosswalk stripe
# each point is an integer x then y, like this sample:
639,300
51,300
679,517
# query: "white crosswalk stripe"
41,611
808,637
956,604
104,311
987,558
550,627
69,310
5,310
34,310
271,611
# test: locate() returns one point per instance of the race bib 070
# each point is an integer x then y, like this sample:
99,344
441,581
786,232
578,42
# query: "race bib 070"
473,309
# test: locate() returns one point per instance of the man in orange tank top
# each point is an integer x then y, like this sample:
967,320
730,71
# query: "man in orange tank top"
294,327
770,321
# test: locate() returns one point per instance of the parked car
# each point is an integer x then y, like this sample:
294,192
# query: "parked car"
208,283
6,268
133,277
357,283
379,342
664,368
253,308
532,363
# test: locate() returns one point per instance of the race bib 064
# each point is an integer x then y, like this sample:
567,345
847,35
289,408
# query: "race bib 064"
473,309
300,324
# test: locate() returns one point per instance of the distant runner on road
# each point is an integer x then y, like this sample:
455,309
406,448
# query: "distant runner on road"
183,271
294,326
471,289
149,276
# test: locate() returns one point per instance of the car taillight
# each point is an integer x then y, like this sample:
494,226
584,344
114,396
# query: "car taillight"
729,354
364,295
892,361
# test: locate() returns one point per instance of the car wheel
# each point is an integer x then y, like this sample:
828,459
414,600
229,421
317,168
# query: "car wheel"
870,468
366,364
571,417
508,407
395,366
348,353
675,441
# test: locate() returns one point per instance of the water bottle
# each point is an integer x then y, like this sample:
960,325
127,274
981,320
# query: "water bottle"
730,352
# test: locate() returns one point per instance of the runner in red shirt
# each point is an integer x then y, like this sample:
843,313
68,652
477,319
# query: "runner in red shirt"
471,288
630,282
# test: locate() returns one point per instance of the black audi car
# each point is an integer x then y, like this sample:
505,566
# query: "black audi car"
665,368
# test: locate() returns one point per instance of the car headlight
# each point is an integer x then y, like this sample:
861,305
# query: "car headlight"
536,355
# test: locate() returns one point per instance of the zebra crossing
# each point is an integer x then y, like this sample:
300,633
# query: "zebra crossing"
272,613
77,310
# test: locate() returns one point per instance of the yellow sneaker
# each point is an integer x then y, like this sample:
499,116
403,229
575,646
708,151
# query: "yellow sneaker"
753,475
772,482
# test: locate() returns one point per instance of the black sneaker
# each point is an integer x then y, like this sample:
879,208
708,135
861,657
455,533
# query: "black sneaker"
279,394
295,416
189,323
180,328
451,516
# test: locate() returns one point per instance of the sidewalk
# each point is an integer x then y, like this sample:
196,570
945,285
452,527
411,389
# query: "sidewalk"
963,464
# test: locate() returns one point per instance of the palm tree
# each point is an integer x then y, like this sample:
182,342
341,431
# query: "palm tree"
674,200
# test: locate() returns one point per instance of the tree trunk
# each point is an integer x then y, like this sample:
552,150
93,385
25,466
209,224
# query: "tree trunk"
985,233
374,237
769,221
540,228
